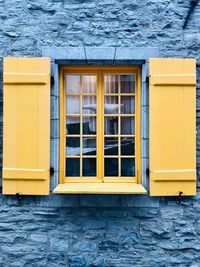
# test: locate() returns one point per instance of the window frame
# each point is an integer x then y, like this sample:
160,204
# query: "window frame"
100,71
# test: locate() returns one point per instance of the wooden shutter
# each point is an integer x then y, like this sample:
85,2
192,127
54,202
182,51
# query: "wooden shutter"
26,126
172,107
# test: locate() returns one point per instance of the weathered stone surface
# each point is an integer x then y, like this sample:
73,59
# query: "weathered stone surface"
103,231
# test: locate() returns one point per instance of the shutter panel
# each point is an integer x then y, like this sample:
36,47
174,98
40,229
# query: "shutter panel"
172,107
26,126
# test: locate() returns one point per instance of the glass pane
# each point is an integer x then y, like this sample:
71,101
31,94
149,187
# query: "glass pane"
110,167
72,84
128,167
89,146
73,125
127,83
89,167
72,146
111,125
89,84
111,84
127,104
127,125
111,146
111,105
89,105
127,146
89,125
72,167
72,105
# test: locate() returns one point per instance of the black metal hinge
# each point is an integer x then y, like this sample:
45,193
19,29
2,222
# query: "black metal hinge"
52,80
52,170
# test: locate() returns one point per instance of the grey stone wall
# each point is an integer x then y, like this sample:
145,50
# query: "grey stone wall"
99,230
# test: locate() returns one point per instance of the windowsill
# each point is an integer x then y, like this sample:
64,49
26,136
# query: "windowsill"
100,188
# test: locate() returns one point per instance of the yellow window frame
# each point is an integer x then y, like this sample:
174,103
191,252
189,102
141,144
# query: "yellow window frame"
100,71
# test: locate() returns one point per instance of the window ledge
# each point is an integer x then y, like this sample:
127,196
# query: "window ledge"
99,188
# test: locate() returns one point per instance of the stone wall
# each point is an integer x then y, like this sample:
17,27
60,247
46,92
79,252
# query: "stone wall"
99,230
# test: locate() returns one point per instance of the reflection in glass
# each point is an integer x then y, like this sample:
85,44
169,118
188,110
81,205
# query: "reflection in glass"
111,146
127,104
89,105
127,146
72,146
89,167
89,84
111,105
127,83
110,84
111,125
127,125
73,125
72,105
110,167
89,146
127,167
72,84
72,167
89,125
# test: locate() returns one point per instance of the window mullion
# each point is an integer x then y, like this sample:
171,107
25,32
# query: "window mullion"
100,128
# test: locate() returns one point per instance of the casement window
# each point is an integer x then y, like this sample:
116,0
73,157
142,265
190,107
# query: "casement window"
100,125
100,128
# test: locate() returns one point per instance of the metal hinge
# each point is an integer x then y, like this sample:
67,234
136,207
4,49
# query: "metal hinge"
52,80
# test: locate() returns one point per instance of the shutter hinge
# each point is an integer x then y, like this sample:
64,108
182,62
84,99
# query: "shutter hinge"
52,80
147,79
147,172
52,170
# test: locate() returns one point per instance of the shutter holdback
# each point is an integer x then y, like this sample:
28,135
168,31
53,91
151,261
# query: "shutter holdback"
179,197
20,199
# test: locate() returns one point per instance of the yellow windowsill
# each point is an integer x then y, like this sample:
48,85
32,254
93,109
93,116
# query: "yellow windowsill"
99,188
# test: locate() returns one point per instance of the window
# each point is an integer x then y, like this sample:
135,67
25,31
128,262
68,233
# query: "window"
100,125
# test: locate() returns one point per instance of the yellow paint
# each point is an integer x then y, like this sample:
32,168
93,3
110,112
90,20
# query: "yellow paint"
25,174
26,78
99,188
26,126
172,126
99,71
174,79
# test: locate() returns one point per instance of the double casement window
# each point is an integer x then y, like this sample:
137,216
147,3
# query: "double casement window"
101,148
100,125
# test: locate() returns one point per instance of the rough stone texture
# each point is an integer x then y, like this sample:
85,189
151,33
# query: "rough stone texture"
99,230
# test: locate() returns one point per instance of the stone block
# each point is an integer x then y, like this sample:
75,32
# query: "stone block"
64,53
134,53
100,54
99,201
139,201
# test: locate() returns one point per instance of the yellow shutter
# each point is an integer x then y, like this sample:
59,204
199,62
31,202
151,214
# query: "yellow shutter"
172,126
26,126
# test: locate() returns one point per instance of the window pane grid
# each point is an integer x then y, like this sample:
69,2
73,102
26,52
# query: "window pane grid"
75,154
126,117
